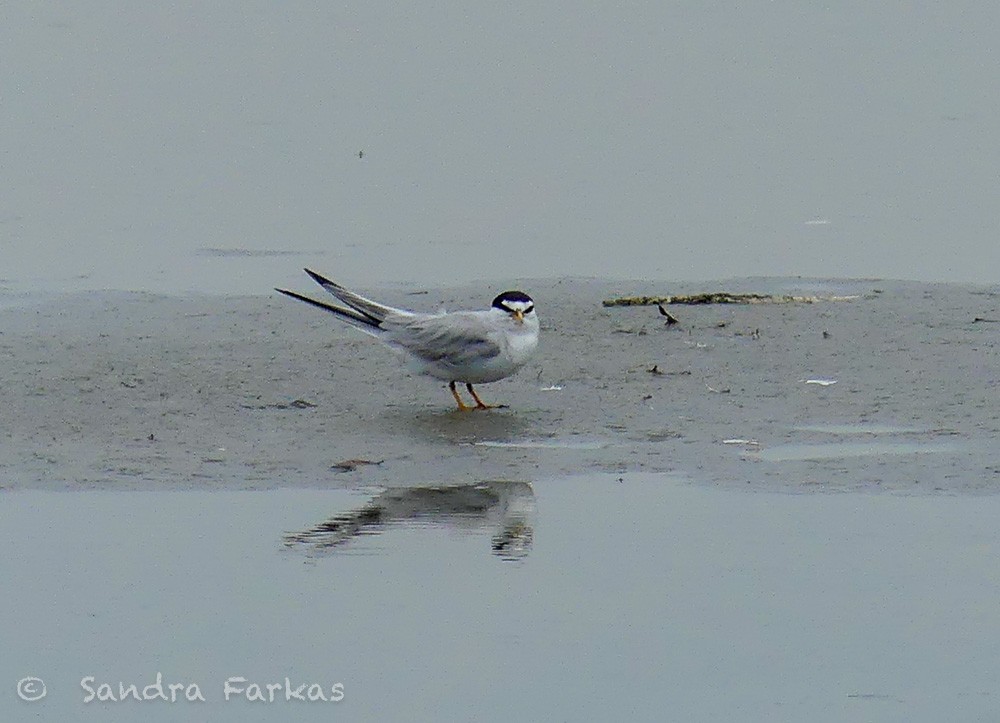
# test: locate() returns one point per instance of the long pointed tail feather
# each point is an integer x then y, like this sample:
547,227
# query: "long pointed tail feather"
356,318
372,309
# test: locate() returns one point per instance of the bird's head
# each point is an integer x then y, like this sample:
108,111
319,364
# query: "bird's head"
516,303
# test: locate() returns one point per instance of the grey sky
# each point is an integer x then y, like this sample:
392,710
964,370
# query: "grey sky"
501,140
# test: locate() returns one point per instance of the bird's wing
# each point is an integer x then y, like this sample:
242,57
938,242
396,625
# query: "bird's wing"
373,310
352,317
455,339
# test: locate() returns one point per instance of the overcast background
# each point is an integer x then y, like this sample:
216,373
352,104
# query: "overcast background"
214,146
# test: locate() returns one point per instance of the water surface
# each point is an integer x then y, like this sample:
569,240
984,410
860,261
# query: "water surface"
640,596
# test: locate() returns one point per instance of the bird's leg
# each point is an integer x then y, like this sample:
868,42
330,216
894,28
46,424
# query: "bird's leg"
479,402
462,406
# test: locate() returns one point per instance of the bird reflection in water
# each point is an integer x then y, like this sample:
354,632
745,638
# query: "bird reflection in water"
506,507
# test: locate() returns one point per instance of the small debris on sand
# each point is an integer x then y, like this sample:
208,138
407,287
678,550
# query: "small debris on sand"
297,404
349,465
638,332
671,319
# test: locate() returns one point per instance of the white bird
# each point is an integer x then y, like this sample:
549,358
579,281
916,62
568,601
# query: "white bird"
473,347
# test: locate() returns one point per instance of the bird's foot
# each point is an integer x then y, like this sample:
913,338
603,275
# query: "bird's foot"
480,404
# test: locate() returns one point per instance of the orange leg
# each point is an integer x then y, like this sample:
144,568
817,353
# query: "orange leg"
462,406
479,402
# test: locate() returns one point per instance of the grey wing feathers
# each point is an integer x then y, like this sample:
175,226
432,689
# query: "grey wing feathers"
372,310
454,339
451,340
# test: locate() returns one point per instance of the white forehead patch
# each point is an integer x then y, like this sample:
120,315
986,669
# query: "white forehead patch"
523,306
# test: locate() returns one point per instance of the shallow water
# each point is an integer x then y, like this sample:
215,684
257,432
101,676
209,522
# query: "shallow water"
638,595
214,153
846,450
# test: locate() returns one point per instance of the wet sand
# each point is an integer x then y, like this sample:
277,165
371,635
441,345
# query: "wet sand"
136,391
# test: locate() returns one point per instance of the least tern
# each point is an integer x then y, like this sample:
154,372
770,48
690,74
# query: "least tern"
471,347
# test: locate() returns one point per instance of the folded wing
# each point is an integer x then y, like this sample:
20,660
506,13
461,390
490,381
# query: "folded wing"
455,339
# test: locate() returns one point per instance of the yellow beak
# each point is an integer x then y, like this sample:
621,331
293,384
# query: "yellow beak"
519,316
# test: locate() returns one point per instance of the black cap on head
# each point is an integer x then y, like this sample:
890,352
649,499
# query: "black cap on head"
503,301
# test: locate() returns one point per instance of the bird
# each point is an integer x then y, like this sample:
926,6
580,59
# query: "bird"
468,347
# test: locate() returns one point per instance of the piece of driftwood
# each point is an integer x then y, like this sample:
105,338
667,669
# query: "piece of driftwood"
349,465
722,297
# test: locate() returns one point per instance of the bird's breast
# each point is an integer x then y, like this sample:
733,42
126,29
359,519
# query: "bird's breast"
522,346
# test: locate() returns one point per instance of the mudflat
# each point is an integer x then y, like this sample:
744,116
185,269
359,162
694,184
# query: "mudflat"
896,388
